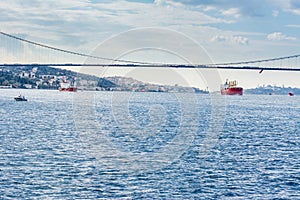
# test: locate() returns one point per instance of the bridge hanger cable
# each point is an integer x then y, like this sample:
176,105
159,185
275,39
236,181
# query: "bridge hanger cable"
72,52
139,62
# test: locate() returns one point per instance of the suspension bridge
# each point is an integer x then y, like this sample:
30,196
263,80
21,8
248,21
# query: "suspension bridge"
285,63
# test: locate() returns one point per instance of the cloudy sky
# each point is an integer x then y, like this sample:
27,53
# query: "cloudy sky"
161,31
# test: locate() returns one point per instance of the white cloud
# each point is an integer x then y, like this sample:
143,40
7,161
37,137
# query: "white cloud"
295,11
253,8
166,3
208,8
292,6
293,25
279,36
230,39
135,15
275,13
235,12
74,23
219,38
241,40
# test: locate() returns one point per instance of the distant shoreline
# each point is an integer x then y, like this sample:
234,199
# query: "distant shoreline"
253,91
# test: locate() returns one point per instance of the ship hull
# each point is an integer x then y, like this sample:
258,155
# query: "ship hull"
69,89
20,99
232,91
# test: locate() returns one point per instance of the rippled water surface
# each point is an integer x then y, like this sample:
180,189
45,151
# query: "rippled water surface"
106,145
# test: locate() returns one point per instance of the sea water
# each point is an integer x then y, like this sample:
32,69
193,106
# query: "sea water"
123,145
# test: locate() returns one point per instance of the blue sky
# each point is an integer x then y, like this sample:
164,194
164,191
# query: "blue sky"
224,30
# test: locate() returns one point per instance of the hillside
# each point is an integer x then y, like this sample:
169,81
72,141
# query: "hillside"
118,83
39,77
50,78
270,90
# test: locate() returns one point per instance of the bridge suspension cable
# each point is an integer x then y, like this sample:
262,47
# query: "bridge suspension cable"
148,64
259,61
160,66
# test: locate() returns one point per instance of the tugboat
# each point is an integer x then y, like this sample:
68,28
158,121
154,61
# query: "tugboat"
231,88
20,98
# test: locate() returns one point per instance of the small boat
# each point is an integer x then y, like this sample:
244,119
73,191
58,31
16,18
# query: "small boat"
20,98
231,88
291,94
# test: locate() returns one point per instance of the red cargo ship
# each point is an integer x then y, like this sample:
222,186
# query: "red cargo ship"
231,88
67,87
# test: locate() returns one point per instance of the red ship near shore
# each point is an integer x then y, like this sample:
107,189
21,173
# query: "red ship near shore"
67,87
231,88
